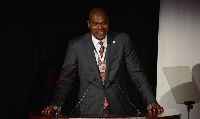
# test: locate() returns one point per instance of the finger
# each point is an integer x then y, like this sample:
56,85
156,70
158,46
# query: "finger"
149,108
43,111
153,107
47,109
158,108
162,110
51,109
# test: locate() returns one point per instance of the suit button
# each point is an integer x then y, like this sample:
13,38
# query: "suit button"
101,103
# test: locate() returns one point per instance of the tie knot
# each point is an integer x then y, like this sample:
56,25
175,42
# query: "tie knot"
101,43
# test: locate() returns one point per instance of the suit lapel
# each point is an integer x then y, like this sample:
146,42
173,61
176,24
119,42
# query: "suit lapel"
111,47
89,49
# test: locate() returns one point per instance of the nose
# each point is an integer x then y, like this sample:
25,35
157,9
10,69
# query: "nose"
100,26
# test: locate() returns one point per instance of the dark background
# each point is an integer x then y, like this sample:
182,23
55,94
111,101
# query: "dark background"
34,38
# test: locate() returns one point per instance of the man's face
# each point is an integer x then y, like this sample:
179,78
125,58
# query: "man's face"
98,25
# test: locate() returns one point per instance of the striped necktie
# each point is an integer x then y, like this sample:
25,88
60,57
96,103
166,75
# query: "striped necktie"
102,74
101,49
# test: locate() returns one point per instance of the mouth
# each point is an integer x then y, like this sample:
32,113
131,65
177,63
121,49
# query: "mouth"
101,33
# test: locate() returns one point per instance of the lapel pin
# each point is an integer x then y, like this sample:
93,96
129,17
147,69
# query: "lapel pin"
113,41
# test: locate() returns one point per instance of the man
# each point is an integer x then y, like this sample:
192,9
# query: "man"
100,59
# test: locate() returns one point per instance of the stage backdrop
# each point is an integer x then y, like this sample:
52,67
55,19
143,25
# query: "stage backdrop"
178,45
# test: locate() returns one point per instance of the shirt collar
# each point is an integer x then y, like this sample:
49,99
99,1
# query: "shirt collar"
95,41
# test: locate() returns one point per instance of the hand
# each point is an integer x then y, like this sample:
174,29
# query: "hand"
155,108
50,109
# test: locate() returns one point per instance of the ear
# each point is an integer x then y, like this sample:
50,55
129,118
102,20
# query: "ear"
88,24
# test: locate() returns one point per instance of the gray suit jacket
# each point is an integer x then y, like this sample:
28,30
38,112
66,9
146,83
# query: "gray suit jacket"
80,58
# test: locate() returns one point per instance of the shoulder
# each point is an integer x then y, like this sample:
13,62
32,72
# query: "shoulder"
121,36
81,38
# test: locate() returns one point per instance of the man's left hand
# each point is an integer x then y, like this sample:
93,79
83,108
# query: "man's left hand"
155,108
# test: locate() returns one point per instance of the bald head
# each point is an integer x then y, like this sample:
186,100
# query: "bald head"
97,11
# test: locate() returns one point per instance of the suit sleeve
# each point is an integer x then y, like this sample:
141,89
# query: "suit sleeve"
137,74
67,76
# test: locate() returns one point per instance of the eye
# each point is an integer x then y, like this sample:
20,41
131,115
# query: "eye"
104,23
94,24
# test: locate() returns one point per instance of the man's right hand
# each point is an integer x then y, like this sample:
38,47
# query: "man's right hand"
50,109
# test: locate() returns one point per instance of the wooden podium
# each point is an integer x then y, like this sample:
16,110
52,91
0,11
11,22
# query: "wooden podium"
167,114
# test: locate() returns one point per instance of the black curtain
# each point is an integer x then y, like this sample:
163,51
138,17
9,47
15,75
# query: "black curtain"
34,39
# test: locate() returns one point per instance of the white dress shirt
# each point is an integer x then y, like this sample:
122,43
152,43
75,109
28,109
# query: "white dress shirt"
98,46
